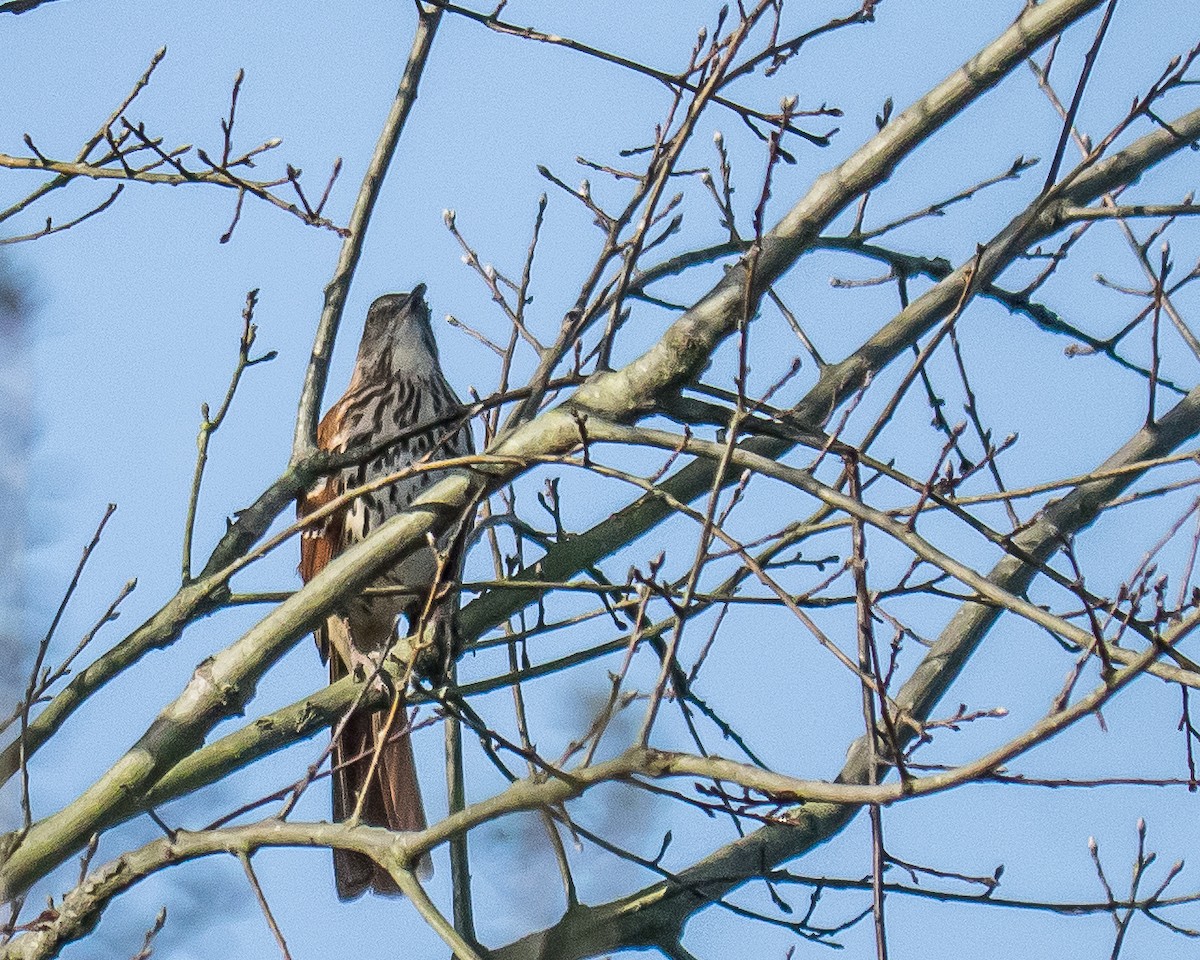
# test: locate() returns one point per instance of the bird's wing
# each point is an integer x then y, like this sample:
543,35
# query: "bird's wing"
319,542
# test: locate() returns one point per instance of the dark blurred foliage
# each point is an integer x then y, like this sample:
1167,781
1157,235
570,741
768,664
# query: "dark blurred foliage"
16,389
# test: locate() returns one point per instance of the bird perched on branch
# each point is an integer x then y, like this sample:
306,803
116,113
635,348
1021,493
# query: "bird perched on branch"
399,413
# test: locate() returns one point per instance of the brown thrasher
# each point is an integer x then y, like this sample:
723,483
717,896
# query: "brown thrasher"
397,385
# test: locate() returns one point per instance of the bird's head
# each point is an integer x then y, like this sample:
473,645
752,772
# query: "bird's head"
397,336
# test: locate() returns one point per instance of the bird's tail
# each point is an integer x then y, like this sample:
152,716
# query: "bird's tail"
391,795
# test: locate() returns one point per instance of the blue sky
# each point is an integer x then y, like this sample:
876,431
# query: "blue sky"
136,324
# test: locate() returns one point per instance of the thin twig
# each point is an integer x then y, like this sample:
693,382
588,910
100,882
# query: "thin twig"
304,441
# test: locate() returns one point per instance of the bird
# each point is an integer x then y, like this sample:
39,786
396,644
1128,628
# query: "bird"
398,393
